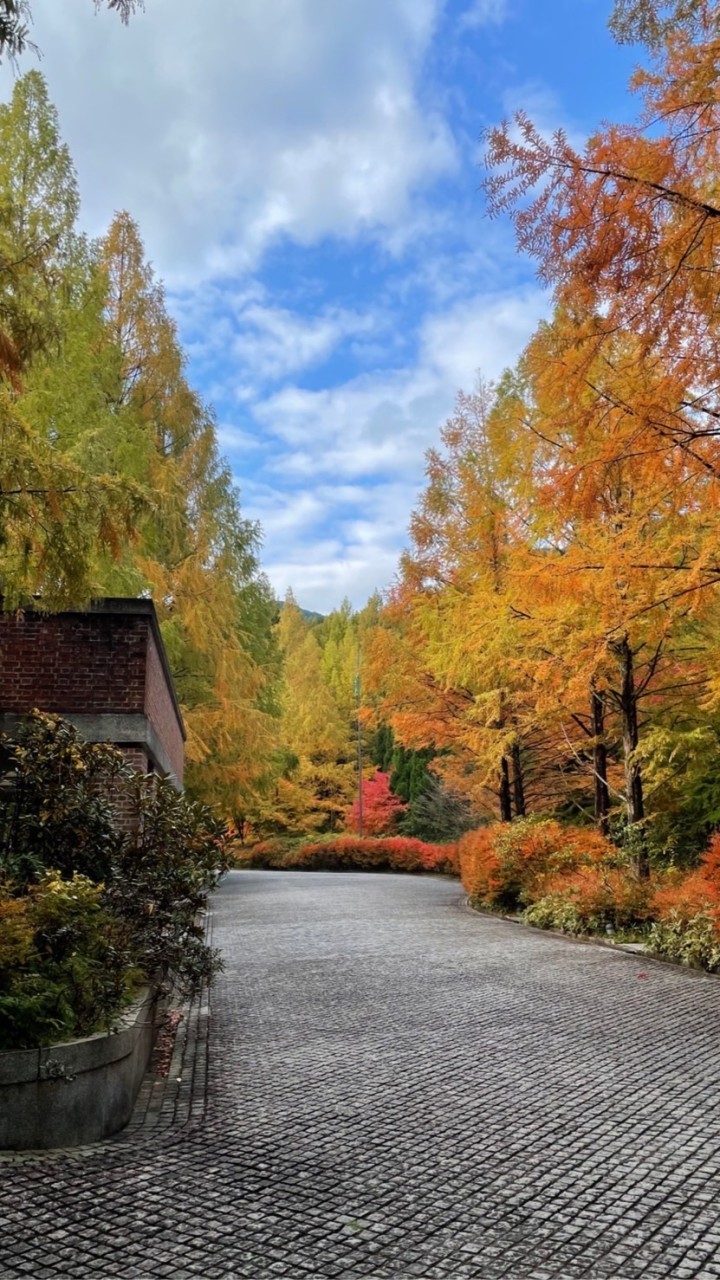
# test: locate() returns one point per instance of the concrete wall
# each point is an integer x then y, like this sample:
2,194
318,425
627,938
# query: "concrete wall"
67,1095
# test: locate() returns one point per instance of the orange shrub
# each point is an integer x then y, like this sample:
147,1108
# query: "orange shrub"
591,898
510,865
264,853
687,911
684,894
355,853
696,891
479,865
392,853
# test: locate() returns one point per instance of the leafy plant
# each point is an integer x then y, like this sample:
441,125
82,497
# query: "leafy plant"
56,801
160,878
63,970
88,909
555,911
506,866
592,899
437,813
693,940
381,809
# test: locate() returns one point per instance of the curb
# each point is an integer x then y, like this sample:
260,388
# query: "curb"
636,950
166,1106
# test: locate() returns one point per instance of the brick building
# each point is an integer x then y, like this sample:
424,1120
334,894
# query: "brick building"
105,670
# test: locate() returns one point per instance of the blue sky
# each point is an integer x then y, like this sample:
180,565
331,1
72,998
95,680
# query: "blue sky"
306,177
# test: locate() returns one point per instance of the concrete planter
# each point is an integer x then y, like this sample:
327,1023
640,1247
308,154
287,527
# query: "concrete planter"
67,1095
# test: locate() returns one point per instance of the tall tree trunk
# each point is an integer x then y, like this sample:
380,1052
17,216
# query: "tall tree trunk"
633,772
505,797
518,782
602,792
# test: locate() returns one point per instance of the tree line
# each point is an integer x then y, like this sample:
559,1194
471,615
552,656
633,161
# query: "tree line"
111,481
555,622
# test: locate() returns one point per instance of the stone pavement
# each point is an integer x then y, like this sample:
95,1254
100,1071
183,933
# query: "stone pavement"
399,1088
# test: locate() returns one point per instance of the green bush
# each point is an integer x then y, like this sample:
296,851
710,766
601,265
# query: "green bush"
687,940
555,911
159,879
88,910
56,801
62,973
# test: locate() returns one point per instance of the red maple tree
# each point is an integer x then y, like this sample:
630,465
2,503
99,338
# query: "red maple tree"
381,808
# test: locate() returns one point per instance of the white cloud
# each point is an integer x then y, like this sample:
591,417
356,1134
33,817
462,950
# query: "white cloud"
320,581
381,424
285,515
322,568
349,459
235,439
487,333
275,342
223,131
483,13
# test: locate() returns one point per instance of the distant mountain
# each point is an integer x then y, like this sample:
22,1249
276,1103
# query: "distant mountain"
308,615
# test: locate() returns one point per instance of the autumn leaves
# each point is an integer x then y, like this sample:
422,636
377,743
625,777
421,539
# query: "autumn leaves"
111,482
556,619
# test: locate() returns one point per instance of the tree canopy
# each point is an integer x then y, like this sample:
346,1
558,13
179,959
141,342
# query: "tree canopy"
111,481
16,17
554,629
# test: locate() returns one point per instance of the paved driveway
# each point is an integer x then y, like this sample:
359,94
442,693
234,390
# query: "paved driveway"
400,1088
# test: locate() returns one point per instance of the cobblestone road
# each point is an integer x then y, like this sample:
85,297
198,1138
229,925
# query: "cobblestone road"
399,1088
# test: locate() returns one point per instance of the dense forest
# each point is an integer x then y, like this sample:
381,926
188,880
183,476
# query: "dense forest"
555,625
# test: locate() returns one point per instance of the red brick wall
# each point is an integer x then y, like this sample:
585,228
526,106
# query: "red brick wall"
137,758
125,812
161,710
73,662
96,663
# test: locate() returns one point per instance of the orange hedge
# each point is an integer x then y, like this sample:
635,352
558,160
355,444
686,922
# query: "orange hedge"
355,853
512,865
687,912
697,891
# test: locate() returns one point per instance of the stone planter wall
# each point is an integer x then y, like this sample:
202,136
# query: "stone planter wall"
67,1095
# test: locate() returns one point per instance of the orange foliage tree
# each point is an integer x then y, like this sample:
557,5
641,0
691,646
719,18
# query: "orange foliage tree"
444,665
627,232
624,388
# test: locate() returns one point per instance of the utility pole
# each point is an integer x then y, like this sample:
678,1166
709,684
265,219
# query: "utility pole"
359,747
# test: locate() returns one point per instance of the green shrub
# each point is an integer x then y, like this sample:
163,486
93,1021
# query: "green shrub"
62,973
159,879
56,802
691,940
116,908
555,911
